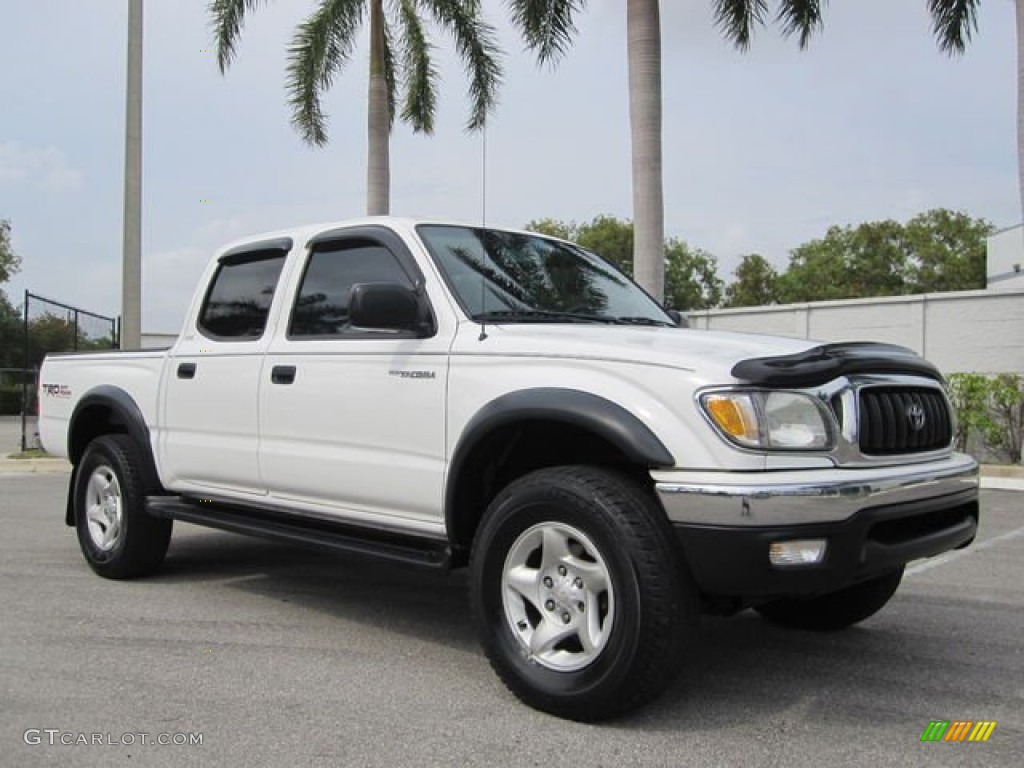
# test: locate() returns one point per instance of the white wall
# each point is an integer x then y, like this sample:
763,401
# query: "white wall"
1004,262
964,331
157,340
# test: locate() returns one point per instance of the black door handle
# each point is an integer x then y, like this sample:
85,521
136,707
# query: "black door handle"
186,370
282,374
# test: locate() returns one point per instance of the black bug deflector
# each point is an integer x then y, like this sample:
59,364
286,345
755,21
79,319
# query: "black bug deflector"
823,364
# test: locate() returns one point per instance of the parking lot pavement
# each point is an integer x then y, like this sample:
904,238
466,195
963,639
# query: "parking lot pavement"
10,434
280,656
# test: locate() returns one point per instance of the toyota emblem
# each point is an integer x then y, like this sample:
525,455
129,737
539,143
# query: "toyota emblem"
915,415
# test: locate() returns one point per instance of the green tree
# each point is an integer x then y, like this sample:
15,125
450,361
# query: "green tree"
607,235
553,228
548,27
691,277
11,331
10,263
691,274
400,58
946,250
12,334
969,395
611,237
755,284
1006,431
939,250
849,262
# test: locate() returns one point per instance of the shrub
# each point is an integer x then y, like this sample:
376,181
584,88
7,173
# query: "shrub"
991,408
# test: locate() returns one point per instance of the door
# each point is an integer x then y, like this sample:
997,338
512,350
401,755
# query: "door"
352,419
211,385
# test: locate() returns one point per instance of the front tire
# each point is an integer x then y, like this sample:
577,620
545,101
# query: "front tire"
581,600
836,610
118,539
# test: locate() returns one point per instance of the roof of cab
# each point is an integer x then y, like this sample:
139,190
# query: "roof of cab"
301,235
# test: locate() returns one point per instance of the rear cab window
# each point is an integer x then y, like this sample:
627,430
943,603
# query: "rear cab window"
241,291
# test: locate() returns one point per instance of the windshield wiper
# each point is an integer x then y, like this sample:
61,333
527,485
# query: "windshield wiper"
539,316
641,321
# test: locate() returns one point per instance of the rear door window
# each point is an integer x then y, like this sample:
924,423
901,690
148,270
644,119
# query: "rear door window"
238,301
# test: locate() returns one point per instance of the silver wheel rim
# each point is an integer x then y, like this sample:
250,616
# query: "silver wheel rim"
104,508
558,597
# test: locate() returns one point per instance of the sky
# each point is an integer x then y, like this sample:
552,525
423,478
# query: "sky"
763,151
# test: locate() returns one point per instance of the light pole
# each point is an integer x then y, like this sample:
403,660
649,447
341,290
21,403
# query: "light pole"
131,257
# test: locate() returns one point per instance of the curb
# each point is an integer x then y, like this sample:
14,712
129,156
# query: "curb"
10,466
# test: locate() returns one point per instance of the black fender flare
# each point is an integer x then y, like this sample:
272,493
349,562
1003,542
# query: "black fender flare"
128,415
573,407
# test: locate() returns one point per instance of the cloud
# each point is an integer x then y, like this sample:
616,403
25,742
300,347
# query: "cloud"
45,168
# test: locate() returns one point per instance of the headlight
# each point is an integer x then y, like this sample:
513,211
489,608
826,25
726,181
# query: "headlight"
770,421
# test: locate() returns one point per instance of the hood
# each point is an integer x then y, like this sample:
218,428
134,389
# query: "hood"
711,353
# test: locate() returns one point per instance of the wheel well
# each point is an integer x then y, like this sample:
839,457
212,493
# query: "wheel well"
92,422
512,450
105,417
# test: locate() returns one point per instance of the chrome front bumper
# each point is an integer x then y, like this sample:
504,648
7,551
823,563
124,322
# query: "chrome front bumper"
800,497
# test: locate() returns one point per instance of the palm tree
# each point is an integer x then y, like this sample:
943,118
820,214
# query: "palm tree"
954,23
547,27
323,44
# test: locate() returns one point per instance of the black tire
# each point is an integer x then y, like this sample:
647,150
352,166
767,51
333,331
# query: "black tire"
122,542
836,610
653,601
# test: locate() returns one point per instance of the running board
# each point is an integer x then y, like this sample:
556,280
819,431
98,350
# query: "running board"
312,532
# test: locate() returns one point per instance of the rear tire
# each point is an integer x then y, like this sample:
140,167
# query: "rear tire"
581,600
118,539
836,610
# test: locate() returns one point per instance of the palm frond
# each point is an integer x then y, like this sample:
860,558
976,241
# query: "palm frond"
420,74
547,26
320,48
736,19
227,18
800,17
953,22
475,42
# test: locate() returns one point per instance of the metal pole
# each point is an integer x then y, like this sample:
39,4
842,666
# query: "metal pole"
131,265
24,380
75,342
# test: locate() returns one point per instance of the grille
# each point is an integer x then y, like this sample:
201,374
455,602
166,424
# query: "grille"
903,420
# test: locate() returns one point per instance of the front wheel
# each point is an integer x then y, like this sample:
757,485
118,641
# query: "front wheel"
836,610
581,600
118,539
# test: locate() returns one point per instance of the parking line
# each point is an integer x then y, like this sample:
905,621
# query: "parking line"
956,554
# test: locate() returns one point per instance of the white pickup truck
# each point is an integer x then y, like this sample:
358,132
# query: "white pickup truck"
448,395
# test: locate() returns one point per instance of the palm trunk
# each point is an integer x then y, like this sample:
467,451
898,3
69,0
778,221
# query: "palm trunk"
643,28
1020,103
378,161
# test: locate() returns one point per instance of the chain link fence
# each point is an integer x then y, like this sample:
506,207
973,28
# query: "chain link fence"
48,326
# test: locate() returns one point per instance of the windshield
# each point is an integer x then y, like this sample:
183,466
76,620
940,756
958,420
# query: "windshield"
513,277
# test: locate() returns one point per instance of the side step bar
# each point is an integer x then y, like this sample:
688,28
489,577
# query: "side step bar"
313,532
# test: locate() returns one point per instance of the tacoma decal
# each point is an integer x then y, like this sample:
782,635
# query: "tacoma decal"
413,374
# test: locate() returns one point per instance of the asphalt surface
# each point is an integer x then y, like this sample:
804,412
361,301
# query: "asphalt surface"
280,656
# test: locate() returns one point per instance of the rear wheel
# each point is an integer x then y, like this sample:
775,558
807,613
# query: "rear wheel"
118,539
836,610
580,598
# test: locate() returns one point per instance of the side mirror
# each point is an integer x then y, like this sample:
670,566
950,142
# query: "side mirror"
384,306
678,318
